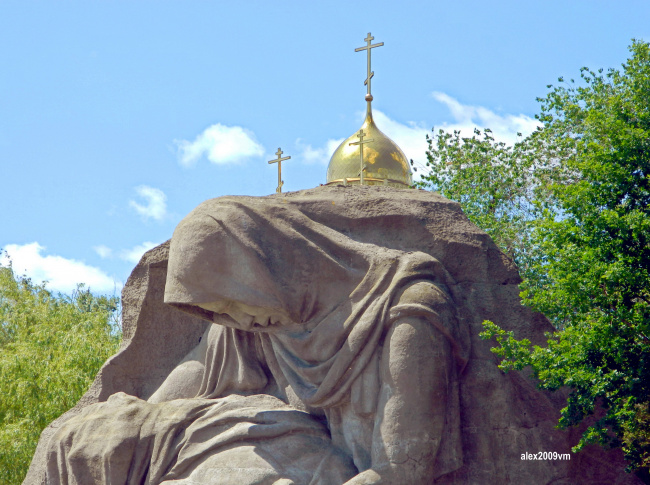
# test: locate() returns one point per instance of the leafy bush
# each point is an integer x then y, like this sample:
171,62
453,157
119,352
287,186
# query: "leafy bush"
51,347
571,205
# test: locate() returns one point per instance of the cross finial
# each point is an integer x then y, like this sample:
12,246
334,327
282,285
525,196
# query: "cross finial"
367,47
361,142
279,161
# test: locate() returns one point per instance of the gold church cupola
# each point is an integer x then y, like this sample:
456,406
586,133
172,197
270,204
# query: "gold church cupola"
369,157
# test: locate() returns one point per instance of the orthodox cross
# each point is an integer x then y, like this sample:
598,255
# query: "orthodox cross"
361,142
279,161
369,46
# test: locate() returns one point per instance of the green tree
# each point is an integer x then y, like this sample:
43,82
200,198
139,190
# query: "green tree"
597,256
51,347
497,185
575,195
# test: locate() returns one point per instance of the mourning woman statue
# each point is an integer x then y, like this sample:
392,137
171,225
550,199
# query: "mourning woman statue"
331,360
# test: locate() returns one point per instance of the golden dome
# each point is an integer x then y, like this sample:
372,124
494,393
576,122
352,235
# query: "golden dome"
384,162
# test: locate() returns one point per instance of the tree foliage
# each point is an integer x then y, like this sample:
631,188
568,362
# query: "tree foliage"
496,185
503,189
51,347
584,243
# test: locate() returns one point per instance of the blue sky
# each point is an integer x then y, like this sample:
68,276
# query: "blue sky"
117,118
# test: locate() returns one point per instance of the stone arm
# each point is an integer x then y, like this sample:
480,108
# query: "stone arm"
225,361
416,365
185,380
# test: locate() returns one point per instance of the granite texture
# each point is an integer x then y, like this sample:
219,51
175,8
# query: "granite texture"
322,336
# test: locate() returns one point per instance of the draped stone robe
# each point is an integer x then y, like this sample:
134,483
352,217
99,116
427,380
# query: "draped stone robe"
341,295
262,405
309,386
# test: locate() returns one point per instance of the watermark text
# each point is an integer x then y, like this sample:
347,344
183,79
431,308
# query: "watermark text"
545,455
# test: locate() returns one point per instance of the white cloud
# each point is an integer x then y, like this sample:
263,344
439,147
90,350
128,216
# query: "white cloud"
410,137
320,155
103,251
134,254
61,273
221,145
466,118
156,203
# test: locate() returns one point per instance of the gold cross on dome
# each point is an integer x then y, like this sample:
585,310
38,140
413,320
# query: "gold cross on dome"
361,142
279,161
369,46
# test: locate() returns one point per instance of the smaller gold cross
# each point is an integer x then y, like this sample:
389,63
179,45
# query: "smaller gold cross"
361,142
279,161
369,46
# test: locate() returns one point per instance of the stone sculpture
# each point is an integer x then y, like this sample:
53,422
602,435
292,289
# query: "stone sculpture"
326,336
